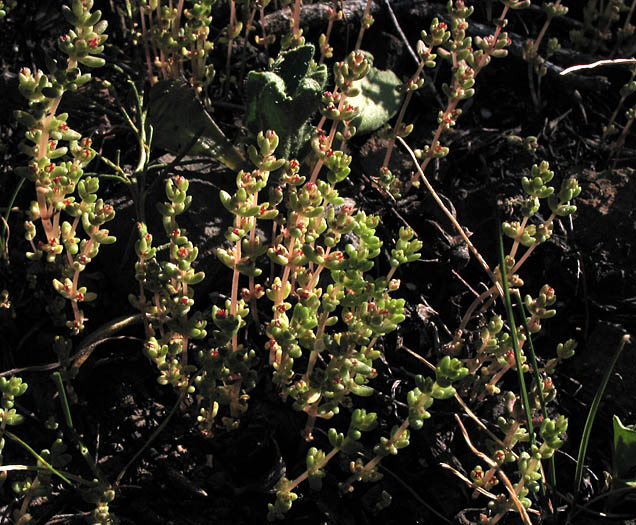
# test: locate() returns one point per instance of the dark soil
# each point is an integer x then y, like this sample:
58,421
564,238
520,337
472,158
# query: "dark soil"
186,478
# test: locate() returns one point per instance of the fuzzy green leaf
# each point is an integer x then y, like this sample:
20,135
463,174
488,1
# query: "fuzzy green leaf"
284,98
379,100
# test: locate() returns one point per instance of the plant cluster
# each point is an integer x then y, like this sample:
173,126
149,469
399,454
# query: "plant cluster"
601,25
175,37
57,170
313,287
5,7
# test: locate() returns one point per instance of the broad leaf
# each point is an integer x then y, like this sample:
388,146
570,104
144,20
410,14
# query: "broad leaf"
284,98
178,118
624,452
379,100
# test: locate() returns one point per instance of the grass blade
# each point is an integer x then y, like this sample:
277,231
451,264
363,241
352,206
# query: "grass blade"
513,334
591,416
537,378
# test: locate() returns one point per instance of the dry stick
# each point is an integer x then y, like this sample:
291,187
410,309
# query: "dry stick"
165,71
465,283
468,411
491,291
103,334
468,481
492,471
396,24
155,51
461,231
473,306
502,476
450,108
87,346
599,63
453,220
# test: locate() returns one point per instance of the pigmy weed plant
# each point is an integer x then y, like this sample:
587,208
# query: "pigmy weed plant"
310,290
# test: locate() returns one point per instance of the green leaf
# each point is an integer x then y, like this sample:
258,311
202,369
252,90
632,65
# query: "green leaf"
379,100
179,120
284,98
624,454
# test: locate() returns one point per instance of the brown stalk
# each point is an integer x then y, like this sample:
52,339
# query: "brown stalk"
502,476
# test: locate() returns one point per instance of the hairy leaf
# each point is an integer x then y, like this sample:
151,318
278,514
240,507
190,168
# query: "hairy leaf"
379,100
284,98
